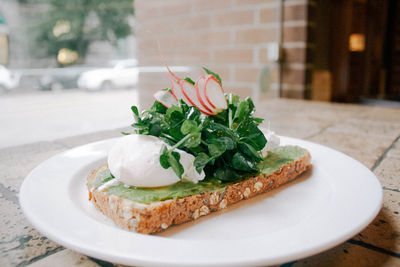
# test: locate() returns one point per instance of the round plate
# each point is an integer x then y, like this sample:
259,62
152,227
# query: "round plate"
321,209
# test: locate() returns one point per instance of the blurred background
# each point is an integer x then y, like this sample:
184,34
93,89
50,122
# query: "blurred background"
76,66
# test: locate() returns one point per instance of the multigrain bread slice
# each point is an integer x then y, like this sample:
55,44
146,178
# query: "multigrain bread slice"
158,216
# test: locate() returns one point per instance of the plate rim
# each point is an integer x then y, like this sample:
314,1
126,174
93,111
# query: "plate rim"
143,261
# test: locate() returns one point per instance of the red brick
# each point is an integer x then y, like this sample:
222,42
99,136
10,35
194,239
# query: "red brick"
293,76
268,15
293,93
210,39
242,90
176,9
256,35
209,5
247,74
192,57
253,2
295,55
234,18
295,34
233,56
293,13
193,23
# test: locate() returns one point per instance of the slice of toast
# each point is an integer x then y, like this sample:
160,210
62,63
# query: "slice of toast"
158,216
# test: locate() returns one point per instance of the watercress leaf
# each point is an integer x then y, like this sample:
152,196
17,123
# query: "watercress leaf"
155,129
258,120
158,107
233,99
213,73
175,132
250,105
135,113
226,141
226,174
164,162
243,163
192,113
249,129
125,133
173,159
188,126
189,80
241,112
193,141
249,150
201,161
216,149
218,129
172,109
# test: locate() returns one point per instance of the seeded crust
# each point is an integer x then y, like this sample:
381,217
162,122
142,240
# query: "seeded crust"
158,216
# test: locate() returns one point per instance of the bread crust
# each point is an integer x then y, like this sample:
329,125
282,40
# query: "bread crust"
158,216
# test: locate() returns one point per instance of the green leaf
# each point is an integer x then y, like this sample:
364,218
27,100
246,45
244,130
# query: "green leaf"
226,174
188,126
135,113
250,151
241,162
164,159
201,161
173,159
167,90
155,129
249,130
158,107
216,149
213,73
193,141
173,109
189,80
125,133
233,99
224,140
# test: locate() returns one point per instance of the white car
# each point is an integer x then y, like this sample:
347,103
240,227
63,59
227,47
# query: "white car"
8,80
121,73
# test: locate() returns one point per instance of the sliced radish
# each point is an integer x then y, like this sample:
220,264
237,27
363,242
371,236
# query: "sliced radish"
176,90
172,74
166,98
189,92
215,94
200,92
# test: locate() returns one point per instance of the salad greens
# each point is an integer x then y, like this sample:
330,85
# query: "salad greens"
226,146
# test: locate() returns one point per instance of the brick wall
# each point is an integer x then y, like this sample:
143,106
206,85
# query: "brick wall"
230,37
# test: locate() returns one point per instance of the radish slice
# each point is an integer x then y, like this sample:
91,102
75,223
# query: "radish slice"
176,90
166,98
215,94
200,84
189,92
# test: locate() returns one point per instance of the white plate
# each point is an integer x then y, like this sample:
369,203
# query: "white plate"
324,207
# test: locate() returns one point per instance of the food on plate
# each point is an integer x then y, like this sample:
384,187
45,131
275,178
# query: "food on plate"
195,151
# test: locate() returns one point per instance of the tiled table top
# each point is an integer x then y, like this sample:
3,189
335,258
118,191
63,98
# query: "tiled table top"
368,134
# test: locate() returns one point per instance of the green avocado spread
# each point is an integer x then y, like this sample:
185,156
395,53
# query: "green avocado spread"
274,161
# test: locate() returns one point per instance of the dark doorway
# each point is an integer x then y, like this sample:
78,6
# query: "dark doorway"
364,49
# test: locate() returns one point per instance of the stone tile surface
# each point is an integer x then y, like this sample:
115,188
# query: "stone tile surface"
368,134
384,231
65,258
19,242
388,172
349,255
349,142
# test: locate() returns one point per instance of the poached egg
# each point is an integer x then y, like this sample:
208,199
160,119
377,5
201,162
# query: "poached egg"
135,161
